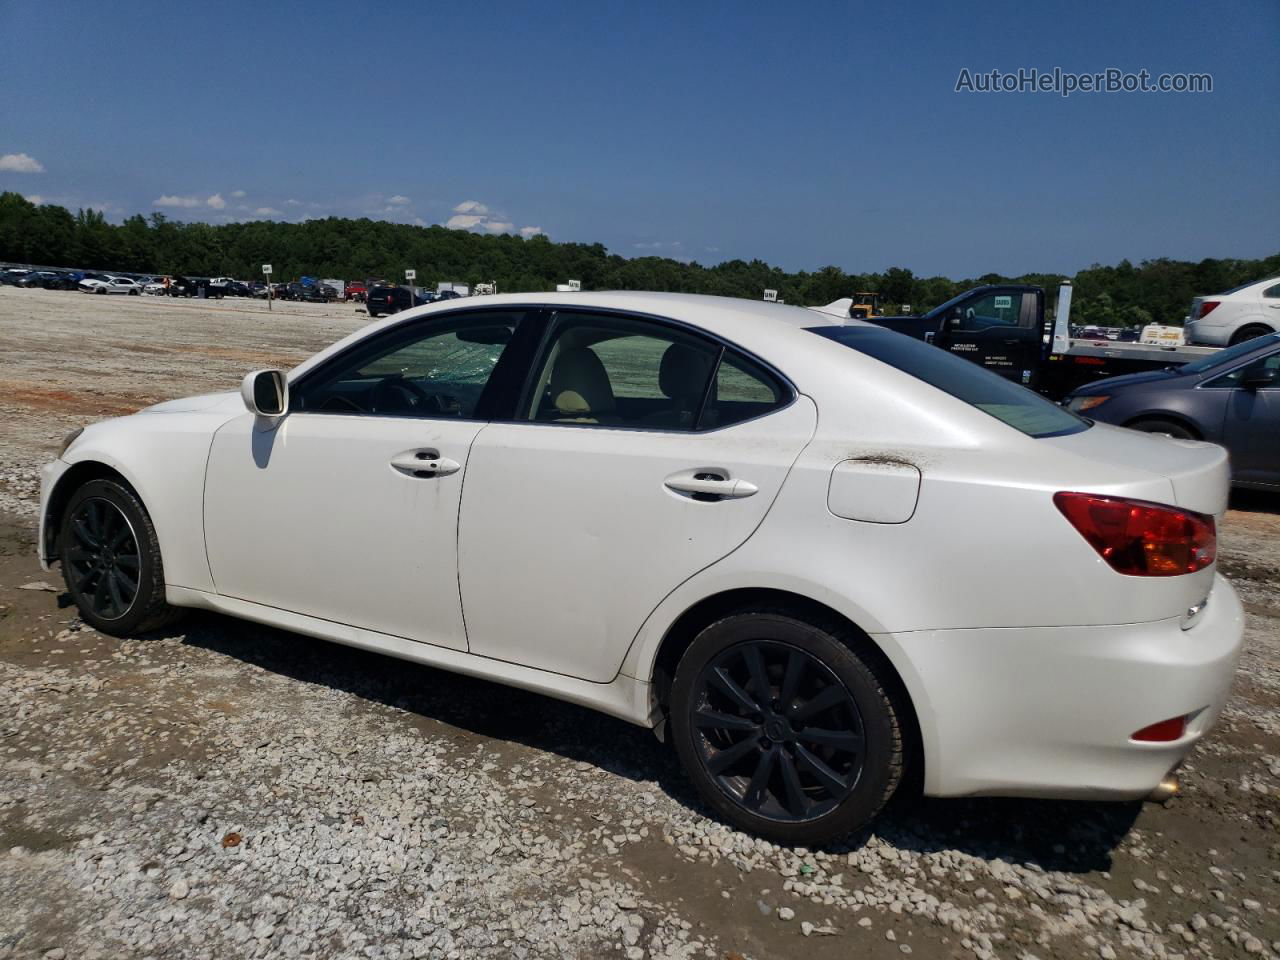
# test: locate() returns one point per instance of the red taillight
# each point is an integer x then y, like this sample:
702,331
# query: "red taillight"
1207,307
1163,732
1141,539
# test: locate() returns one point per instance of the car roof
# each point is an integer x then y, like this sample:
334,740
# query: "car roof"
719,315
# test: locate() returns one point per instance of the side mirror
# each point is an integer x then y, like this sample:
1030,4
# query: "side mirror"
266,393
1259,376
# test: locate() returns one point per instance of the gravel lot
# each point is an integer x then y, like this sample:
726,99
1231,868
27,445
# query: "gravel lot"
231,790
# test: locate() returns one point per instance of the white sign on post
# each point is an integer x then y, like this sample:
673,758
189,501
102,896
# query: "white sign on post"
771,296
411,274
1004,303
575,285
266,268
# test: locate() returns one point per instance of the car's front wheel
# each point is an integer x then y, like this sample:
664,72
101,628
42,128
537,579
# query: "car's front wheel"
784,729
111,560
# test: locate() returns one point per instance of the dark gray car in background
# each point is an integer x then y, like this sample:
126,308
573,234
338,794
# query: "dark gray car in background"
1231,397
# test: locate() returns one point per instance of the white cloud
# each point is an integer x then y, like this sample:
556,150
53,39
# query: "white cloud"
399,200
237,194
474,215
216,201
419,222
34,198
267,212
293,203
170,200
20,163
656,245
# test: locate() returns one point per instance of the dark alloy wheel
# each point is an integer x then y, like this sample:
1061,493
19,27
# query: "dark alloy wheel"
111,560
1247,333
102,558
785,730
778,730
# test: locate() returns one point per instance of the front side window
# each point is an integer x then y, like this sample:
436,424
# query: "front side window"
1272,293
438,369
998,311
1232,379
989,392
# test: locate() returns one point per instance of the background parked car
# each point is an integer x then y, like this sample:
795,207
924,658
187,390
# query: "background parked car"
109,284
388,300
357,292
191,286
1231,398
60,281
35,279
11,277
237,288
1235,316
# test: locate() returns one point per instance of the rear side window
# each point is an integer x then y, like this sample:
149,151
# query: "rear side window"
742,390
611,370
1008,402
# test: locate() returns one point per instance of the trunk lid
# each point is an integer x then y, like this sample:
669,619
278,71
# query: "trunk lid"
1198,474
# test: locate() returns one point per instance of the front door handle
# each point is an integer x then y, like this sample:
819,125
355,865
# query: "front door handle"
708,485
424,464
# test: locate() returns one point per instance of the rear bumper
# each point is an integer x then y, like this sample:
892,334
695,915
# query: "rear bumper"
1048,712
1210,334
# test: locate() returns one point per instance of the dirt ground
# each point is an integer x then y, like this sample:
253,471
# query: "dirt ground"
223,789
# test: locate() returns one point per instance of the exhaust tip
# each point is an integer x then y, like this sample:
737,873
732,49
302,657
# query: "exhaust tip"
1165,790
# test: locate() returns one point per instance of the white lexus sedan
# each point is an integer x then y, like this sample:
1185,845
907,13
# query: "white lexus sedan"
815,555
108,284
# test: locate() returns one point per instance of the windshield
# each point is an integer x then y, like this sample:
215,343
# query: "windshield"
991,393
1221,358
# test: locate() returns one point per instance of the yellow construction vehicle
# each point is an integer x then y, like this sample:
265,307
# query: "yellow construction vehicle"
865,306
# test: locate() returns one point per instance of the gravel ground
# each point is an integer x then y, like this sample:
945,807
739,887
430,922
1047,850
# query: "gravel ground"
225,790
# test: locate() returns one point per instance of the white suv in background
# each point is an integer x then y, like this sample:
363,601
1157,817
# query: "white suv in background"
1235,316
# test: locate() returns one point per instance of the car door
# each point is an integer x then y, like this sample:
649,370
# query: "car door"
346,508
998,329
639,454
1251,427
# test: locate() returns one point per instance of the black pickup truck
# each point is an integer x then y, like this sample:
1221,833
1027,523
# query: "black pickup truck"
1005,328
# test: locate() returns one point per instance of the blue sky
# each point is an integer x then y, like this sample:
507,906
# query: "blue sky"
802,134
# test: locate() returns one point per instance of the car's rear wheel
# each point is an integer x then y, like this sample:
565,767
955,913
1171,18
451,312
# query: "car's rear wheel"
784,729
111,560
1250,332
1168,427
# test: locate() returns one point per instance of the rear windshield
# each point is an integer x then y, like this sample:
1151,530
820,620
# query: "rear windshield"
991,393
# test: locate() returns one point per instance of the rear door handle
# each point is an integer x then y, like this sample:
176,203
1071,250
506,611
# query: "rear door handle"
424,464
707,485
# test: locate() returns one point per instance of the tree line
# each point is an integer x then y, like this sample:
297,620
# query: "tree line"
1153,291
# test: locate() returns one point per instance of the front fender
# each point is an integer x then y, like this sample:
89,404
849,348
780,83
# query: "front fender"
163,457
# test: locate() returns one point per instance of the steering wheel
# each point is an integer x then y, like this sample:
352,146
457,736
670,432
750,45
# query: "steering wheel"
397,393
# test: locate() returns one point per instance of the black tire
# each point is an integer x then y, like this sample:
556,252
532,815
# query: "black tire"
862,730
1169,428
122,543
1251,332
